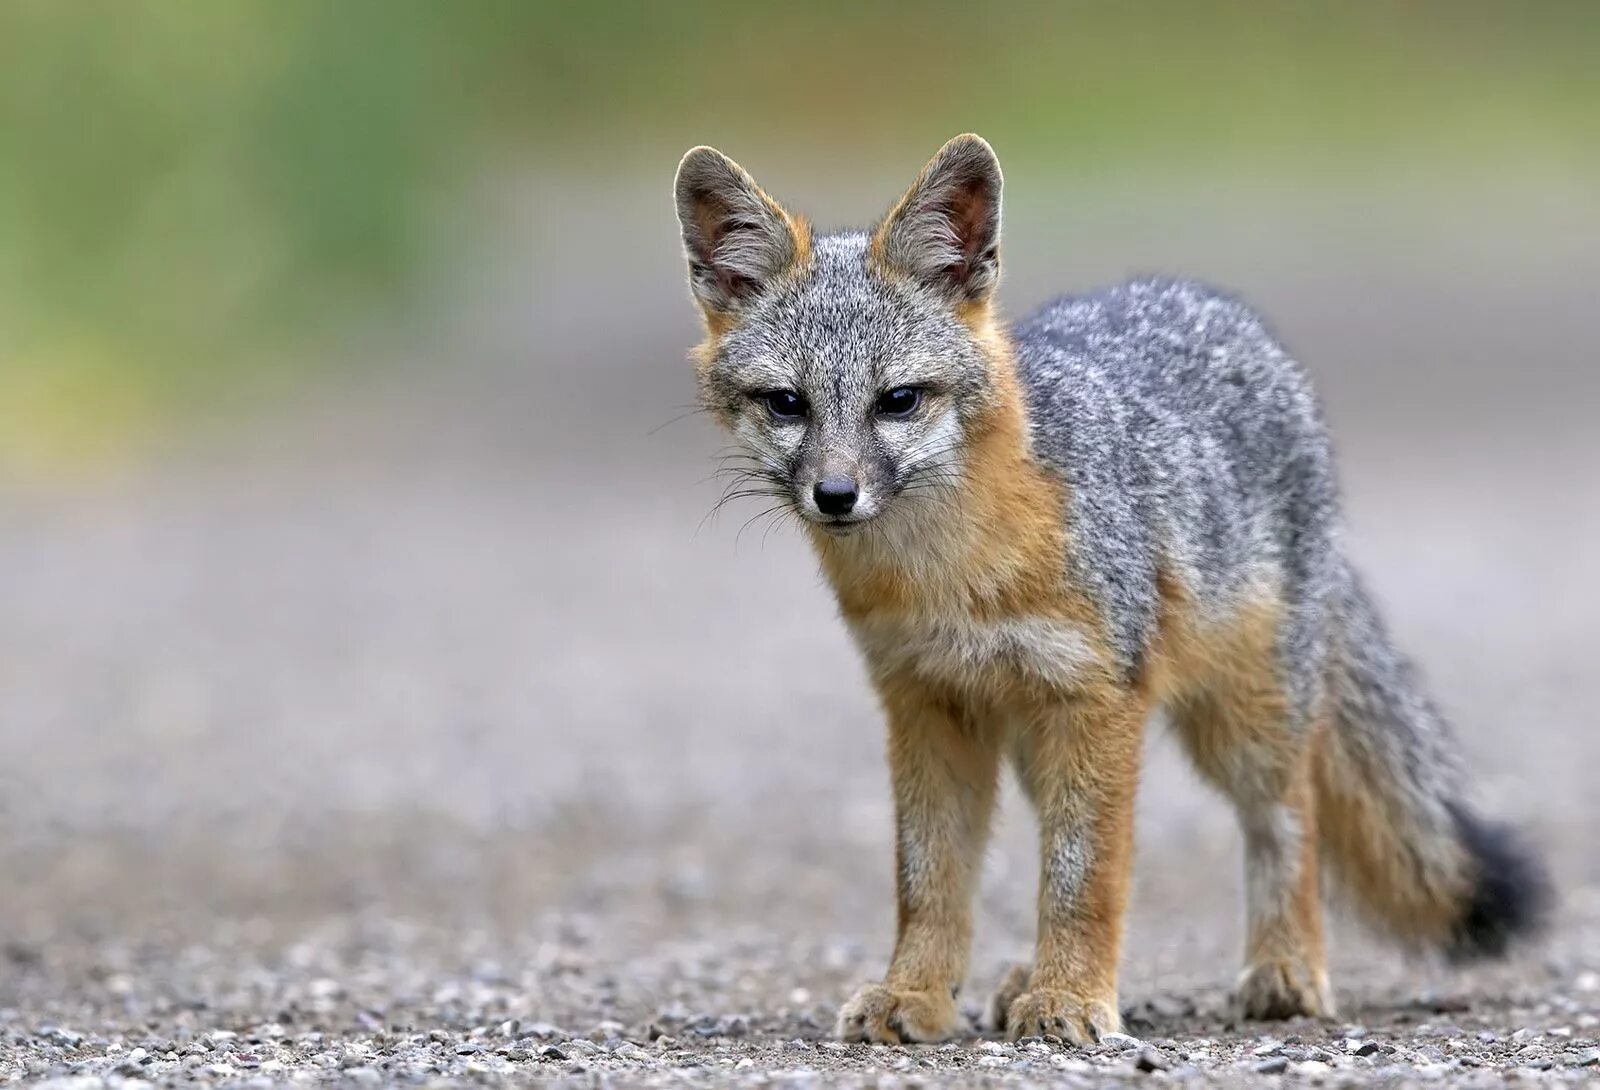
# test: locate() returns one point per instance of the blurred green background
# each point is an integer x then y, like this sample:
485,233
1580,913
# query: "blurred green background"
200,204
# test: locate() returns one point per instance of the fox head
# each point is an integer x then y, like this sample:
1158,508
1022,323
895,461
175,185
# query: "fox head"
850,368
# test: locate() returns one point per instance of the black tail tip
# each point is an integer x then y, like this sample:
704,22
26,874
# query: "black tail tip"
1511,894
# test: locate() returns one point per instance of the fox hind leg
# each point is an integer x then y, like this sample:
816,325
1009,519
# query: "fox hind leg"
1285,966
1245,741
1011,986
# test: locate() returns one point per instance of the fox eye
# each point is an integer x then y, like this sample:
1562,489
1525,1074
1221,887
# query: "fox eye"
900,401
783,404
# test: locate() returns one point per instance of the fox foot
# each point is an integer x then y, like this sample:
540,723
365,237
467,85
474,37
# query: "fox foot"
1272,990
1013,984
1072,1017
882,1015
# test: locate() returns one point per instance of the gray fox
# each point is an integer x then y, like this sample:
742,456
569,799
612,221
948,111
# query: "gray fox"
1039,535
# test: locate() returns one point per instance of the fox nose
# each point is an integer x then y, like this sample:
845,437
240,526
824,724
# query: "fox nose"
835,495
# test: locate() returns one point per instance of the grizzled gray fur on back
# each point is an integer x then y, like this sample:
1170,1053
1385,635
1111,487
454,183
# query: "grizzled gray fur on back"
1192,443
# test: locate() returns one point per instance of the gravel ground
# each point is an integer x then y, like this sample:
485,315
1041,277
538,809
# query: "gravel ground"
421,736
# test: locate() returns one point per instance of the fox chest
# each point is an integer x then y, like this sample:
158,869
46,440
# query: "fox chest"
972,653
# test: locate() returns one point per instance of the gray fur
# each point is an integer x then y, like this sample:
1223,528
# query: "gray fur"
1193,444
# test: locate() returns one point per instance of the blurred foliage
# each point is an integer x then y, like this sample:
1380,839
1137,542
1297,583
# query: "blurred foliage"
196,194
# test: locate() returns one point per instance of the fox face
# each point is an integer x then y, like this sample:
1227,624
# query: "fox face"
850,367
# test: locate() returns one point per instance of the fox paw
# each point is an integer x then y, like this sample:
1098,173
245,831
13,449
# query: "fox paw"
1068,1016
1273,990
1013,984
882,1015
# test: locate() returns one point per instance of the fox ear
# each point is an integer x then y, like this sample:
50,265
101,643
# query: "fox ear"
945,231
737,238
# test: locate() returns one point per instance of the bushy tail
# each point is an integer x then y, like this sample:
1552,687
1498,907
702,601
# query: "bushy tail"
1395,828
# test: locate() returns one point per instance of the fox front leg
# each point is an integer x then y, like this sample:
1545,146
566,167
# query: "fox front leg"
944,769
1079,765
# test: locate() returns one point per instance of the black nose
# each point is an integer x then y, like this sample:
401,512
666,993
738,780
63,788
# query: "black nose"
835,495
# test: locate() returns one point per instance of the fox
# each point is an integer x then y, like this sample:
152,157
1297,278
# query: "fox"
1041,535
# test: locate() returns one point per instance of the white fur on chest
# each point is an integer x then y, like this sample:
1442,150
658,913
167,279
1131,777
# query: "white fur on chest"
968,652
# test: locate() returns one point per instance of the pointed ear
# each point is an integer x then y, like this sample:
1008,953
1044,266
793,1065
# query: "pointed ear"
945,232
737,238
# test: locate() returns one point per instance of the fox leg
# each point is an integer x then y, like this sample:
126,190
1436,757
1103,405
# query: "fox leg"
1079,763
1244,741
945,769
1012,985
1285,966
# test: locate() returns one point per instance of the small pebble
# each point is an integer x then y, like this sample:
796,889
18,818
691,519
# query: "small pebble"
1120,1041
1150,1059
